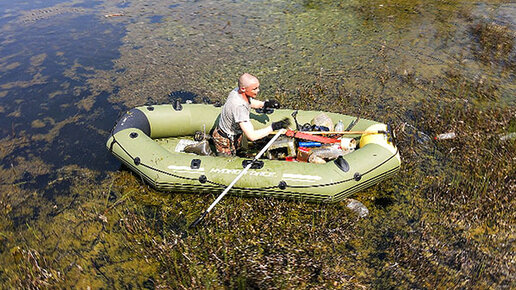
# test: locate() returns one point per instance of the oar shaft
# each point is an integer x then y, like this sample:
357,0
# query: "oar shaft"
346,132
244,171
342,132
229,186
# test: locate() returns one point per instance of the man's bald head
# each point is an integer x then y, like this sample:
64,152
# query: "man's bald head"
246,80
248,85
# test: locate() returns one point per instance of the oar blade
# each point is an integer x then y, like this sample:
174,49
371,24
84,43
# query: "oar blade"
198,220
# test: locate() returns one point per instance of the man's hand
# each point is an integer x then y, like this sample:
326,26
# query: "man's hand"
280,124
273,104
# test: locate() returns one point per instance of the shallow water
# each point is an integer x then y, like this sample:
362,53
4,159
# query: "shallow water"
68,69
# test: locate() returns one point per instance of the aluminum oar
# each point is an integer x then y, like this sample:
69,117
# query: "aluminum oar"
198,220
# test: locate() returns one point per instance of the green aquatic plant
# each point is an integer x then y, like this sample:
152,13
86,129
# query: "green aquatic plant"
495,43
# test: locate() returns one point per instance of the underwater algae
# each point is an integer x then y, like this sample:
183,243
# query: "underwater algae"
409,240
445,221
72,241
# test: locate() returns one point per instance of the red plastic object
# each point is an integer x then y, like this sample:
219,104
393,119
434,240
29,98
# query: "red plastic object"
303,154
306,136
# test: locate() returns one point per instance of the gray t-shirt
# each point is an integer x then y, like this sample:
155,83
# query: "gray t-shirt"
235,110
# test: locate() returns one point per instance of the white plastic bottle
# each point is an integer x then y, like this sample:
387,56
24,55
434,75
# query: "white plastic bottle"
339,127
445,136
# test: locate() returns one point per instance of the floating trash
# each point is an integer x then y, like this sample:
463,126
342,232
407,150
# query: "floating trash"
358,208
446,136
509,136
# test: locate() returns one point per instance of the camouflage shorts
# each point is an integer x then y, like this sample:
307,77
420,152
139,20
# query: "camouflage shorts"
225,145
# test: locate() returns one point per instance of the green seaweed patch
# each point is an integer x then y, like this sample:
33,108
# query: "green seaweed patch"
10,66
481,88
495,43
37,124
75,241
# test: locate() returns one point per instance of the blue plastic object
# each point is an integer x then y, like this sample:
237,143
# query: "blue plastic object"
309,144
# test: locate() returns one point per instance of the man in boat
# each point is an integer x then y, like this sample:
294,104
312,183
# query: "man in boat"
234,118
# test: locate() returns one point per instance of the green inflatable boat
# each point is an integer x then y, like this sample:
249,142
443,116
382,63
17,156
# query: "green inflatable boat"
146,139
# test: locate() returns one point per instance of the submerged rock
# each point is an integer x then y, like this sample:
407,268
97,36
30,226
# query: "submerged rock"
356,206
